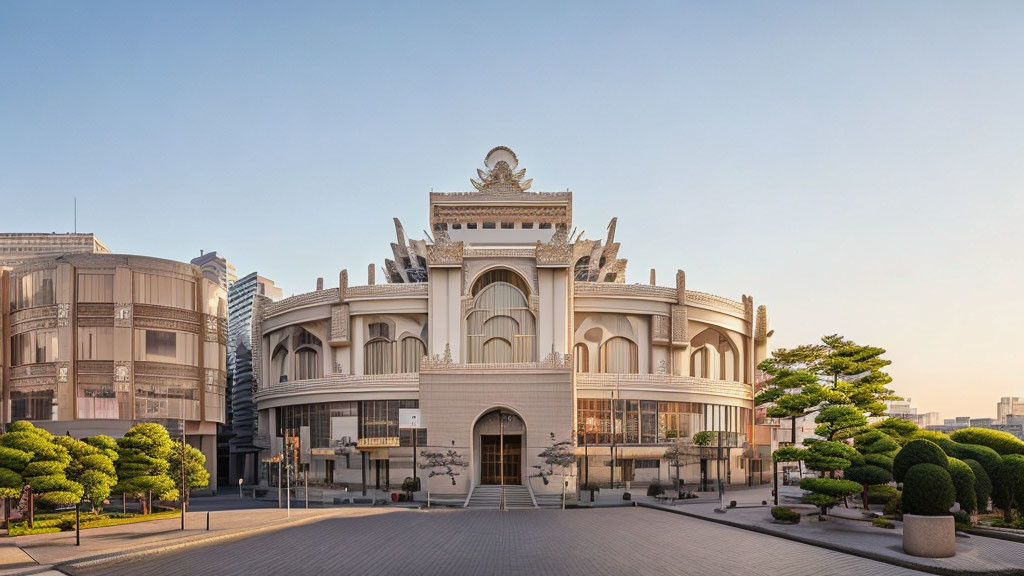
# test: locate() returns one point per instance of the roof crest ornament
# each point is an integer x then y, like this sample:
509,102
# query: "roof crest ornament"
501,174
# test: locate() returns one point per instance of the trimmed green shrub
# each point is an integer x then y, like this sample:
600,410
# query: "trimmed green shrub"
928,490
876,442
882,494
1008,486
1002,442
894,507
829,456
882,523
880,460
827,491
789,453
918,452
867,475
963,482
942,440
982,484
987,457
783,514
655,489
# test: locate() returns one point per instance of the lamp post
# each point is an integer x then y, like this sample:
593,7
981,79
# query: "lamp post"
184,452
240,488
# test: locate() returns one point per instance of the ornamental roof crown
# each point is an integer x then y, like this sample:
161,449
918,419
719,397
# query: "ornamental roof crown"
501,175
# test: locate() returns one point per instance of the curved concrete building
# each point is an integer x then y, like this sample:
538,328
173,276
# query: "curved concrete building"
506,329
94,343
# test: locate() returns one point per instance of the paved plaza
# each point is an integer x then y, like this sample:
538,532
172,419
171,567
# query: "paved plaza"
586,542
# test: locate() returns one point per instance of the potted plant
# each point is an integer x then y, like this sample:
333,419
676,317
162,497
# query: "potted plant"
929,530
591,487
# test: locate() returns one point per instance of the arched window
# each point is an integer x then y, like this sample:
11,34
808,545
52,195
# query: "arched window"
307,365
378,357
497,351
279,363
582,269
581,358
619,356
413,350
307,356
714,357
500,326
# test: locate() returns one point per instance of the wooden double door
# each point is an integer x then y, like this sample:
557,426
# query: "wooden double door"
501,457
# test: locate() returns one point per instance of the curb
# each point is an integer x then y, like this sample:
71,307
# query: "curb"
73,566
899,562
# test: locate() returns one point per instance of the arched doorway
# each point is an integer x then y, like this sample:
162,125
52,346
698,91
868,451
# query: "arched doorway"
499,440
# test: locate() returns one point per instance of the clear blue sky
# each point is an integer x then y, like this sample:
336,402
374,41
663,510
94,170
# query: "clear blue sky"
855,166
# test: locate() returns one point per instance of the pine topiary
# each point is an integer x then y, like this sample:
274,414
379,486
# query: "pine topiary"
880,460
918,452
963,482
928,490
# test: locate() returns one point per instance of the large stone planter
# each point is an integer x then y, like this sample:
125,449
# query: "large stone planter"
929,536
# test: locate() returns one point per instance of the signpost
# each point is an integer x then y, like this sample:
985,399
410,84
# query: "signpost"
411,419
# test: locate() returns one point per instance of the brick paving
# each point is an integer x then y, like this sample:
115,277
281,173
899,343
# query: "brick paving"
586,542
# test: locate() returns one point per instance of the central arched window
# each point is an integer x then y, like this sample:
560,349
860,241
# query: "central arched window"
413,350
500,327
619,356
307,356
279,361
377,357
714,357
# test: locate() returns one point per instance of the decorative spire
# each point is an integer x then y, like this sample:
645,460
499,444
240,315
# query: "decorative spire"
501,174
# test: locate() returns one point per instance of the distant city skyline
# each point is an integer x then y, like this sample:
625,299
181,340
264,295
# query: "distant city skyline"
856,166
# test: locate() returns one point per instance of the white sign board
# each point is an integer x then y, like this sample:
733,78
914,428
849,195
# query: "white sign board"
410,418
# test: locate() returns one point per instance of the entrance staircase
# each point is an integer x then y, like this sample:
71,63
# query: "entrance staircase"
488,497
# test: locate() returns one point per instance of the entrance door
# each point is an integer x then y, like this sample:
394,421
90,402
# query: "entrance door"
491,459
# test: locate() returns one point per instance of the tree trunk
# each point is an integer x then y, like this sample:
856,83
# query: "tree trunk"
794,431
864,497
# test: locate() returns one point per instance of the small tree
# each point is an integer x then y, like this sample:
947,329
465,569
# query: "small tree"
679,453
839,422
92,467
196,475
867,475
1008,486
826,492
12,462
556,458
45,472
142,466
449,463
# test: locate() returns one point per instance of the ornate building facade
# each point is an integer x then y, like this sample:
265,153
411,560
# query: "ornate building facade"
507,330
93,343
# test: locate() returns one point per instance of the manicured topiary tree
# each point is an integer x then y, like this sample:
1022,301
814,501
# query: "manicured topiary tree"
876,442
12,462
829,457
92,467
948,446
900,430
918,452
867,475
987,457
927,490
982,484
964,481
883,461
45,472
142,467
1008,486
826,492
1002,442
839,422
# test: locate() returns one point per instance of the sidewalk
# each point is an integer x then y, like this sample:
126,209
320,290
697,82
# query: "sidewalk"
38,553
974,554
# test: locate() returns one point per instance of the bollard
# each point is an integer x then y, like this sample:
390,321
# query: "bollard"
207,521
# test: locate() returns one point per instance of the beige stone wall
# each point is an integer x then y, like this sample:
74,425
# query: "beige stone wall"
453,401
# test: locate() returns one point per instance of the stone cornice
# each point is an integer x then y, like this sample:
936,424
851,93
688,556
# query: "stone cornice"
666,382
717,303
616,290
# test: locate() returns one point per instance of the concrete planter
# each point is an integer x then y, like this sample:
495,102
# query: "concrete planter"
929,536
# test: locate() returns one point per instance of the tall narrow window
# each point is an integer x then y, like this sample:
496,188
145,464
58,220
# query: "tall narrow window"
413,350
377,357
581,358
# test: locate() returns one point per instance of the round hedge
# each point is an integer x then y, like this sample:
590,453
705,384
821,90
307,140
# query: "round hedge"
917,452
987,457
1008,484
982,483
936,437
867,475
963,482
1002,442
928,490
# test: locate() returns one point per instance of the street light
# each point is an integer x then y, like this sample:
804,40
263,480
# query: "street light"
240,488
